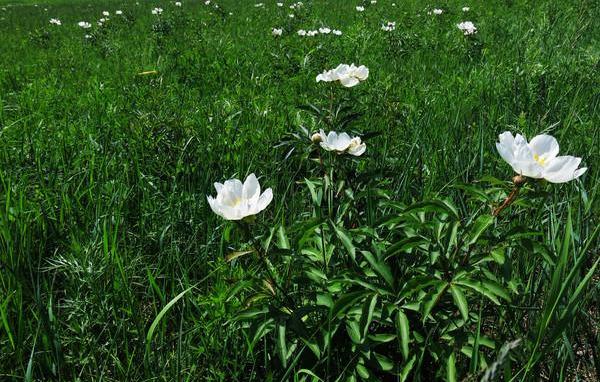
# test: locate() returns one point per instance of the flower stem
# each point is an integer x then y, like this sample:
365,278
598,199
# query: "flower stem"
518,181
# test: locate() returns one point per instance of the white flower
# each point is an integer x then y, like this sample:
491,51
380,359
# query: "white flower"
467,27
301,32
337,32
87,36
389,26
119,12
373,1
393,4
360,8
207,2
84,24
178,3
103,20
157,11
312,33
277,31
324,30
465,9
291,15
258,5
538,159
105,13
341,143
436,12
236,201
55,22
348,75
280,4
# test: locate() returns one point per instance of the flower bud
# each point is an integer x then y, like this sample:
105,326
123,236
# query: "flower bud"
519,180
315,138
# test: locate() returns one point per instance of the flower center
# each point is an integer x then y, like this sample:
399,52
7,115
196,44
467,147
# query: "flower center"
541,161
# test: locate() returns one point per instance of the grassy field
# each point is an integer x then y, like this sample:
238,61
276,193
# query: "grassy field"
110,143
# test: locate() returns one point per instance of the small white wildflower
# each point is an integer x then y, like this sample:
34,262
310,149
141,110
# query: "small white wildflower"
277,31
324,30
84,24
105,13
360,8
55,22
337,32
157,11
119,12
467,27
301,32
178,3
280,4
466,9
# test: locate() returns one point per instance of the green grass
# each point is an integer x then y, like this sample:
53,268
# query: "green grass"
104,173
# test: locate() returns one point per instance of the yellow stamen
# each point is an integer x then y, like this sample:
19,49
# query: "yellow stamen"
540,160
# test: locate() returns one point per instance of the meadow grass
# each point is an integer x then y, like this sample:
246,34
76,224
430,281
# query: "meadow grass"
104,172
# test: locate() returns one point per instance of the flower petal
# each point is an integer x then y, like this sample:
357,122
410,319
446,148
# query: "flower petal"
563,169
545,146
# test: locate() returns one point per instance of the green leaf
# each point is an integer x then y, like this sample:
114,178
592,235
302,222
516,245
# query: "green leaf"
282,344
381,268
234,255
383,362
479,226
367,315
451,368
346,241
402,327
160,316
282,240
460,301
407,369
346,301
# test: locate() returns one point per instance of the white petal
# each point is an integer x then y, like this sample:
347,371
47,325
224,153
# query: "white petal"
264,200
251,188
357,150
214,205
545,146
505,146
218,187
562,169
349,81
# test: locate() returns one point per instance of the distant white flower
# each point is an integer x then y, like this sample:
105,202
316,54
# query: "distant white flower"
466,9
55,22
84,24
178,4
277,31
87,36
340,143
105,13
301,32
280,4
312,33
467,27
347,75
360,8
236,201
324,30
539,158
119,12
157,11
436,12
389,26
258,5
337,32
207,2
291,15
393,4
373,1
103,20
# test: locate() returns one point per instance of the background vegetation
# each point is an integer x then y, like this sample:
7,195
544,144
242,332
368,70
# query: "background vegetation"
104,174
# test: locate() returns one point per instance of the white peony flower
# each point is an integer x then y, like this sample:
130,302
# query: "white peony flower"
312,33
324,30
341,143
119,12
467,27
348,75
178,4
291,15
280,4
84,24
466,9
301,32
436,12
105,13
539,158
236,201
277,31
55,22
157,11
360,8
337,32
